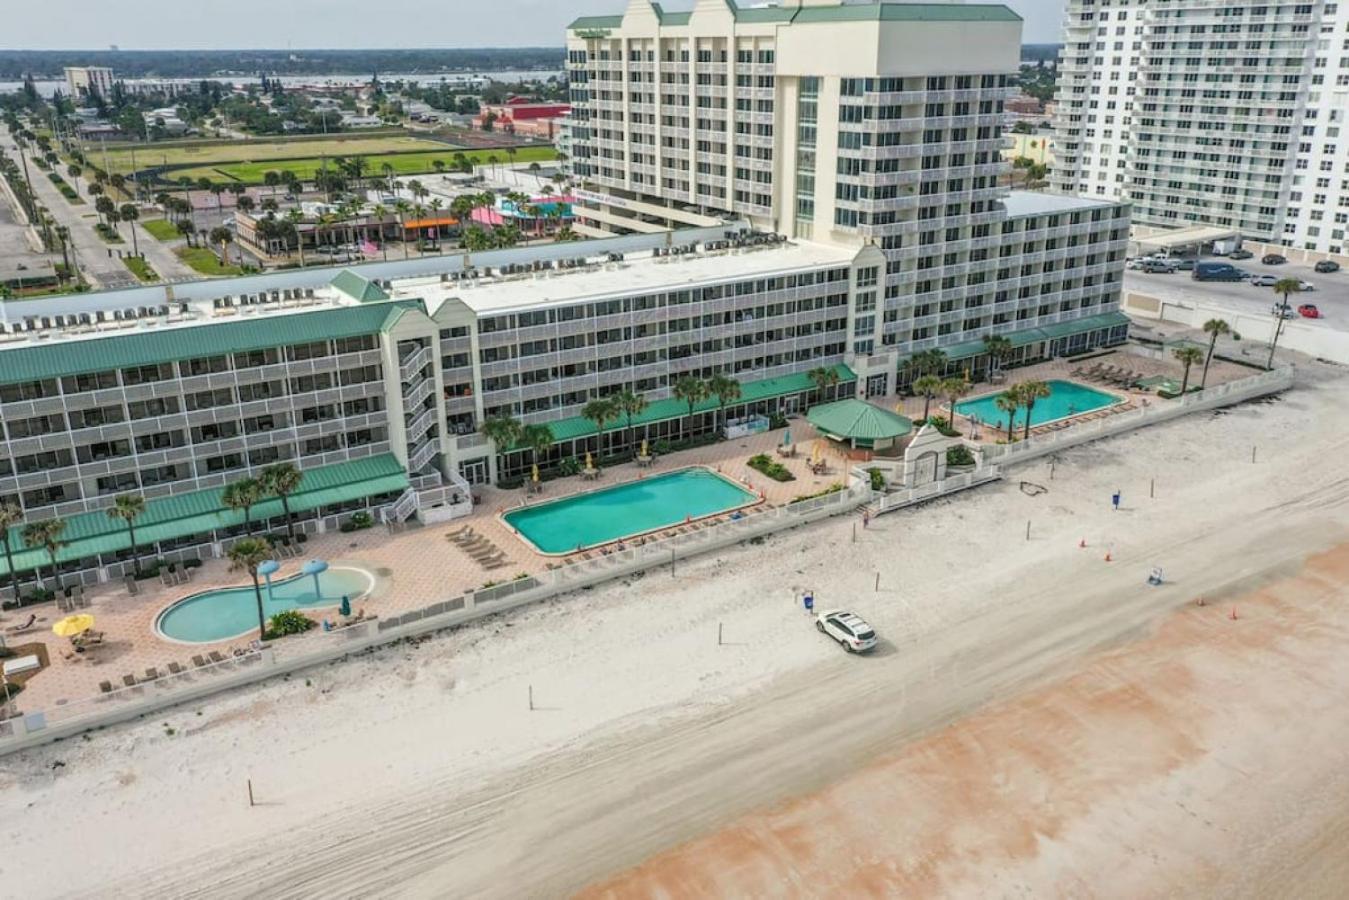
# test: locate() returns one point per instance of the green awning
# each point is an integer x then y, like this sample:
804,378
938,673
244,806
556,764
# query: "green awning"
669,409
198,512
1029,336
857,420
966,349
1085,325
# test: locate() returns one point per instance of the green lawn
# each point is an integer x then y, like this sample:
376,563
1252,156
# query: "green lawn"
140,268
205,261
161,229
403,164
207,153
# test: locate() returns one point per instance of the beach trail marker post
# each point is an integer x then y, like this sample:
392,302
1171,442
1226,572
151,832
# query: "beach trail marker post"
1114,500
808,601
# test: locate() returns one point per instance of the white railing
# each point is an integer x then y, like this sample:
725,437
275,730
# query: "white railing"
909,496
418,460
420,425
404,507
414,364
415,397
1265,383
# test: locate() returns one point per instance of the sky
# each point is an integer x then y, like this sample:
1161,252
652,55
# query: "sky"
354,24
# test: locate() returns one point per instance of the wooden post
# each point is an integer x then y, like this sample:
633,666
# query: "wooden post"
531,698
1152,489
1252,454
718,634
1051,470
854,532
250,792
672,562
1028,529
878,581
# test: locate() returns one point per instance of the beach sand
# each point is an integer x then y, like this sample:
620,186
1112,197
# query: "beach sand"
1036,721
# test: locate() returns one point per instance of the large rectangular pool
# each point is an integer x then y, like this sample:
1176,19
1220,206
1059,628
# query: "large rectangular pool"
648,504
1066,398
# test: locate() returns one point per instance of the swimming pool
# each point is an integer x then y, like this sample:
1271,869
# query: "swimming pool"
1066,398
598,517
231,612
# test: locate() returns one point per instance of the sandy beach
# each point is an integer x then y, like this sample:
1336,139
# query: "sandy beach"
1037,720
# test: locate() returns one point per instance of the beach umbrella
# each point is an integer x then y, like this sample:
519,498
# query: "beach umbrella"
70,626
315,567
535,473
267,570
345,608
786,437
644,453
589,464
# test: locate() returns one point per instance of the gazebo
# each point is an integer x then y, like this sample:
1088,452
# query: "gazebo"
859,424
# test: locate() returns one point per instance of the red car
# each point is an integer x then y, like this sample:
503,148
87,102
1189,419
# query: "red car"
1309,311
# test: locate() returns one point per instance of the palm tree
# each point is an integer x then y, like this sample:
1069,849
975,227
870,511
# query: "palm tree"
295,217
601,410
272,179
128,508
47,535
387,170
823,377
10,515
1028,392
928,386
629,404
927,362
537,439
1009,402
1214,328
381,212
130,213
1187,357
282,479
242,494
222,236
1284,287
692,391
953,389
999,350
726,389
74,172
246,555
503,431
402,207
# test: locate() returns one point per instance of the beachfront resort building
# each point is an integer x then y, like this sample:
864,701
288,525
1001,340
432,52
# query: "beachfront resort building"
1204,113
84,82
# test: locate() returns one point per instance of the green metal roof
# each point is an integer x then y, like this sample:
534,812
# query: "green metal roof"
169,518
1086,324
358,287
117,351
858,420
672,408
908,12
585,23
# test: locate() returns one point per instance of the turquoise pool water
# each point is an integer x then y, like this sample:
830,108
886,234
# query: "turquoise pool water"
1066,398
599,517
231,612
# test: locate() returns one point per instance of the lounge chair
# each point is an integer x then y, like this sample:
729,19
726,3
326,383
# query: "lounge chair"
176,669
199,661
167,578
26,626
105,687
152,674
217,656
129,680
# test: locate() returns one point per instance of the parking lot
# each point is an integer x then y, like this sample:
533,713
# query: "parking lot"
1331,294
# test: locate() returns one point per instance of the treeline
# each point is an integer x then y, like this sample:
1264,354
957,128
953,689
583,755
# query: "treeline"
15,64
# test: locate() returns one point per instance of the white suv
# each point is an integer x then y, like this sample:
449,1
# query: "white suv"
849,629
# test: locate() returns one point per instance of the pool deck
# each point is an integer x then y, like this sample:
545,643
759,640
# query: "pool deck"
418,566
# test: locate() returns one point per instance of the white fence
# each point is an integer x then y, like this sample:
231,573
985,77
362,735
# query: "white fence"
909,496
1263,384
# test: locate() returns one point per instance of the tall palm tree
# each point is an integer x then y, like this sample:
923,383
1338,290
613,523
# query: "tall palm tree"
601,411
74,171
295,217
402,207
1009,402
1283,287
242,495
537,439
629,404
503,431
131,213
726,389
927,362
47,535
692,391
223,237
1187,356
282,479
246,555
1028,392
823,377
129,508
928,386
381,212
1214,328
10,515
272,179
953,389
999,350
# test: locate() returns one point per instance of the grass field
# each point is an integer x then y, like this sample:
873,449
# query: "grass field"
162,229
140,268
255,151
205,261
403,163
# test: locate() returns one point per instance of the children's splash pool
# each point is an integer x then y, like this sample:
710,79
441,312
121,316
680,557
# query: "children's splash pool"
598,517
226,613
1066,399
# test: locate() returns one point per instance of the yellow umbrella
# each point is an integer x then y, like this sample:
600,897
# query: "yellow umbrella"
73,625
588,464
815,452
644,453
536,472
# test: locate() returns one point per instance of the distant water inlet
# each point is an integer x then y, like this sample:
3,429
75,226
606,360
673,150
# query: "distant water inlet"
1066,399
625,510
226,613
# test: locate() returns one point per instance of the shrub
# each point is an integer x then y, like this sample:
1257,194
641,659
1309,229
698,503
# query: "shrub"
959,455
289,622
942,425
569,466
510,484
776,421
358,521
877,479
832,489
770,467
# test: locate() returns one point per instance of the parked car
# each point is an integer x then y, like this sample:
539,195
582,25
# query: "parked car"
1217,271
1240,254
1273,259
1282,311
1185,265
849,629
1159,267
1264,280
1309,311
1305,285
1327,265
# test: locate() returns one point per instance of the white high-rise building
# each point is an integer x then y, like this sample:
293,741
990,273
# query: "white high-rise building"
1200,112
874,125
85,81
